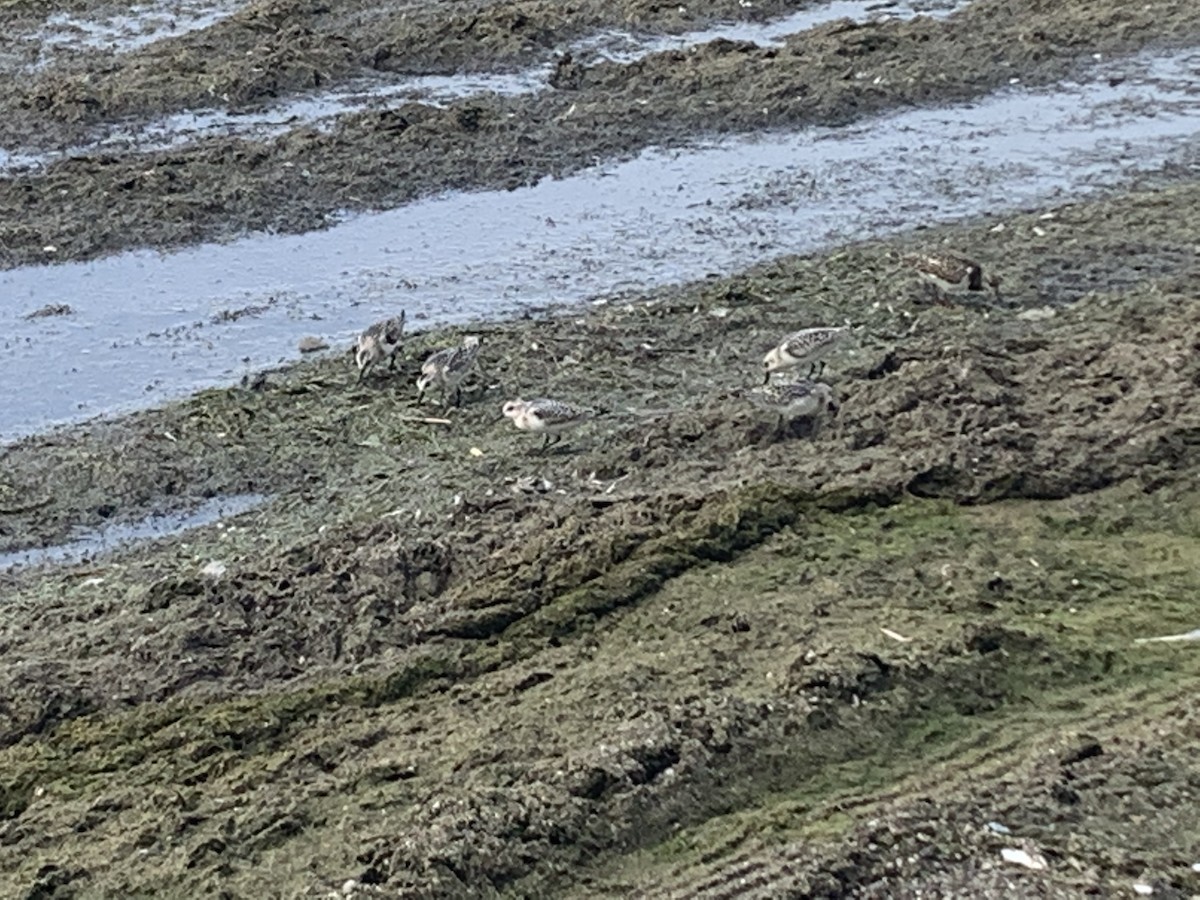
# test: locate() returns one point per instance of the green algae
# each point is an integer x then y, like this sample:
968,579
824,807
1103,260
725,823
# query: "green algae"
956,697
1043,669
675,652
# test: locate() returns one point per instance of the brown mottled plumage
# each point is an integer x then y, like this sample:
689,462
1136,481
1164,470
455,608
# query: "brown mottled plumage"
808,345
547,416
447,369
948,270
380,340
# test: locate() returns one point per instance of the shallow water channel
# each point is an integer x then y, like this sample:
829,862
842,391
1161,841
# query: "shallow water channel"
94,542
320,108
149,326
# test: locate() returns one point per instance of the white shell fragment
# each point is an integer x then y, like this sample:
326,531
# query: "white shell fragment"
1021,858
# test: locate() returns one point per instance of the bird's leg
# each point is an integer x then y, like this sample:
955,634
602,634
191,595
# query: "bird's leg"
821,370
392,362
545,442
812,369
767,379
457,396
362,373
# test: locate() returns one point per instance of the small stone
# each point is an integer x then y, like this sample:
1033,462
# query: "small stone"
1144,889
998,828
213,569
312,344
349,886
51,309
1021,858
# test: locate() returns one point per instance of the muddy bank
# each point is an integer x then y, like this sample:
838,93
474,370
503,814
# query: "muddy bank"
143,329
261,51
833,74
666,656
221,442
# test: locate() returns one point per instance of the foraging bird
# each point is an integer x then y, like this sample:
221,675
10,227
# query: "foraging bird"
546,416
380,340
807,346
448,368
796,399
943,272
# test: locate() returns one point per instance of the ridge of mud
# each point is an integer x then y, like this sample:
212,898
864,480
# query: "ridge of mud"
484,820
222,188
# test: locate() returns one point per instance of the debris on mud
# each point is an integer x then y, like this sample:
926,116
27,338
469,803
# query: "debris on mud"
50,310
688,652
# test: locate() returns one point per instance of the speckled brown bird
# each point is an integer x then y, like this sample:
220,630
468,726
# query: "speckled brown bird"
447,369
380,340
943,272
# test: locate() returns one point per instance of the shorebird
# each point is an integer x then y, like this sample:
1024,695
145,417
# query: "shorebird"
807,346
550,417
447,369
944,272
801,405
380,340
796,399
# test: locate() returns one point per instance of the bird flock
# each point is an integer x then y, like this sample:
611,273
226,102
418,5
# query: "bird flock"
781,390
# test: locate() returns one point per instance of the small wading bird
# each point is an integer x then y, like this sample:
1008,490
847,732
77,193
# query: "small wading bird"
807,346
796,400
447,369
380,340
944,272
549,417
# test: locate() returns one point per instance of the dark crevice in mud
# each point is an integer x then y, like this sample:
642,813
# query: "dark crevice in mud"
377,160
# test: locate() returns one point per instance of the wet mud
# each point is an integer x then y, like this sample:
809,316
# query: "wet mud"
147,328
221,187
694,651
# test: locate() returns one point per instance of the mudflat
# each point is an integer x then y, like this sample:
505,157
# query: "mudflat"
116,197
693,651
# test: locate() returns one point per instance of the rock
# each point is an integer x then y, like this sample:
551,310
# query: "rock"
312,344
51,309
1021,858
